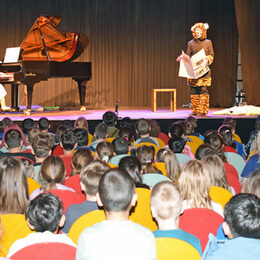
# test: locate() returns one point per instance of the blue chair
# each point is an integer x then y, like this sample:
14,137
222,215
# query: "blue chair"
183,158
237,161
151,179
116,159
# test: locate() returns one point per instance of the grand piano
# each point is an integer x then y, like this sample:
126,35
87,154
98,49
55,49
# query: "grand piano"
47,53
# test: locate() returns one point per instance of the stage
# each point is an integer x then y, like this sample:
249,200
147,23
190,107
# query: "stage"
245,124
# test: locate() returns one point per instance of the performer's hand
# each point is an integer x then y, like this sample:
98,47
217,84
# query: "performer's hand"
179,58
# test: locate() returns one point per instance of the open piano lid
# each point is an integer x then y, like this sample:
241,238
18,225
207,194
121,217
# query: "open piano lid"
61,46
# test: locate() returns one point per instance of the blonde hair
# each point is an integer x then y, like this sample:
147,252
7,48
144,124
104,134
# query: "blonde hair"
256,146
194,183
166,200
81,122
252,184
216,170
52,171
171,162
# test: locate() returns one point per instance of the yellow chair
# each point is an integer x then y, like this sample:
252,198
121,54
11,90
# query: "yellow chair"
160,141
14,226
112,165
173,248
141,213
90,137
161,166
156,148
195,143
85,221
32,185
110,139
220,195
237,138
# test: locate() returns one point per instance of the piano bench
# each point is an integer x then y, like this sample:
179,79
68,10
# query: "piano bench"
154,96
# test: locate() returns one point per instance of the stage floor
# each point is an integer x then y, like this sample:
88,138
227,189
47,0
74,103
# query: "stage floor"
180,113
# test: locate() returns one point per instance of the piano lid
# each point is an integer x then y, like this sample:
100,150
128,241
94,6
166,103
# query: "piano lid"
61,46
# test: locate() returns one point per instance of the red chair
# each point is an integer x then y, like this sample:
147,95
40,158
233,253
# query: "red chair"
67,197
74,183
48,250
200,222
232,177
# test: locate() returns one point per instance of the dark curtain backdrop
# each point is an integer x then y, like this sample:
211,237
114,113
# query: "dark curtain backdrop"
248,22
133,47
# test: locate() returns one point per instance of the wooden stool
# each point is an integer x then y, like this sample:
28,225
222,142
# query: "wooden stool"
173,97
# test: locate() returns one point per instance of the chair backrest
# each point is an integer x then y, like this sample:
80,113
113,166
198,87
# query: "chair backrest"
200,222
32,185
160,141
237,161
195,143
173,248
14,227
111,165
151,179
156,148
85,221
237,138
116,159
67,197
90,137
48,250
141,213
74,183
182,158
161,166
220,195
110,139
232,177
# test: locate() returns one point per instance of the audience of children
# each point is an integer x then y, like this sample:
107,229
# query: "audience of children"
193,180
120,238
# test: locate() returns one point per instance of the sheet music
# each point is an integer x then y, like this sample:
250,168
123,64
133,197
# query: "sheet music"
12,55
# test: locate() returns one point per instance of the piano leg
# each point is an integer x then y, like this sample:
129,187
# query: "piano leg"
14,97
29,97
82,93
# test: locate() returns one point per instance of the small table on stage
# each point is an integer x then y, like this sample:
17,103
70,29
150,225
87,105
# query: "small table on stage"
154,96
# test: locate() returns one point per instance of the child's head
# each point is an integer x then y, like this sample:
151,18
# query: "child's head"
101,131
32,133
121,146
116,191
226,132
81,122
68,140
204,150
230,121
104,151
166,202
194,183
176,144
133,167
52,171
59,132
171,162
146,155
90,176
45,213
13,139
13,186
81,136
27,124
142,126
190,125
242,216
5,122
177,129
155,128
42,145
81,158
216,169
109,118
44,124
252,184
127,134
